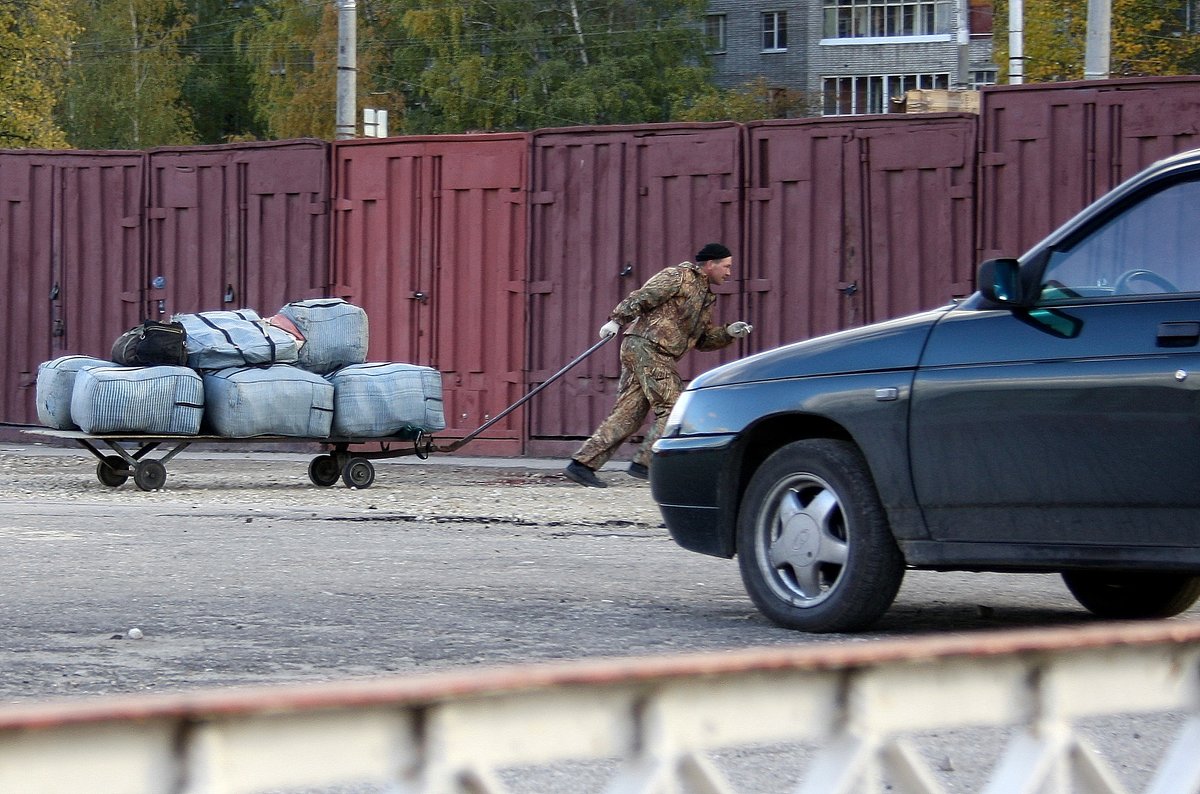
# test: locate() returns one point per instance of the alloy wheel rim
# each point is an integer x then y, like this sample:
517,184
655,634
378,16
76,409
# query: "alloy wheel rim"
803,540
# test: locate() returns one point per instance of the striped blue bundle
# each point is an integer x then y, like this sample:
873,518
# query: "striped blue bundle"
279,400
56,384
375,400
147,400
335,333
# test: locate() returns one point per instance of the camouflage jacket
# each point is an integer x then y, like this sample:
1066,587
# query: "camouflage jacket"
674,311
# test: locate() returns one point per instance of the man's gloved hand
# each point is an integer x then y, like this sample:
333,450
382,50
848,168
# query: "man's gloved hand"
739,329
610,328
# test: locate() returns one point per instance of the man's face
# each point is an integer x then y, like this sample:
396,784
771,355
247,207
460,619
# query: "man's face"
717,270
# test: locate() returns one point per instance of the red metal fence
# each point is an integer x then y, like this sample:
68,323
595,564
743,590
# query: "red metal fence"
71,242
429,238
1047,151
610,207
855,220
495,258
236,226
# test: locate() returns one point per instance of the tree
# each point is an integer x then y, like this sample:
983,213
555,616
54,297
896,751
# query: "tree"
1149,37
518,64
217,88
291,46
126,76
35,37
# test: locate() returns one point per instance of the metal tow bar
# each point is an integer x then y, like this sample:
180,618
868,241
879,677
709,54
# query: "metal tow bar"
475,433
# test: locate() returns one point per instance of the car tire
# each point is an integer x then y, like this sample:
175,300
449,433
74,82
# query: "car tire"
813,543
1133,596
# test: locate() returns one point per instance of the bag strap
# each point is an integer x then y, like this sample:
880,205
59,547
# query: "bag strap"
324,305
225,334
262,329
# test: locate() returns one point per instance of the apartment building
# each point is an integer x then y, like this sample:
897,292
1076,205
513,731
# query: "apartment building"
850,56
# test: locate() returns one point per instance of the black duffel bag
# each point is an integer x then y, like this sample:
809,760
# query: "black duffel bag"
152,344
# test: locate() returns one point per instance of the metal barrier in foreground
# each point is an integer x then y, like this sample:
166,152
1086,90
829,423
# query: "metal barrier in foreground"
654,722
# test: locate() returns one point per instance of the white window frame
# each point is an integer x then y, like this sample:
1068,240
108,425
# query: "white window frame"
886,21
871,93
774,31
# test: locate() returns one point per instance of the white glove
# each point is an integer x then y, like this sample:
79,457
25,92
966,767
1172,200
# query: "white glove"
739,329
610,328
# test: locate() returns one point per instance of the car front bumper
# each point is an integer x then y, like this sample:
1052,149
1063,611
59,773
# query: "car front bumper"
687,477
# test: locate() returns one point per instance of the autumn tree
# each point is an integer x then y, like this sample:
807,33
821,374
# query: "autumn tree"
291,47
126,76
1148,37
35,37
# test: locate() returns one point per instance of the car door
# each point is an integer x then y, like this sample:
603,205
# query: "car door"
1076,421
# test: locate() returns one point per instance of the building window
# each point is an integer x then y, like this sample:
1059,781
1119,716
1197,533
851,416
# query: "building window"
982,77
855,19
853,94
981,15
774,26
714,32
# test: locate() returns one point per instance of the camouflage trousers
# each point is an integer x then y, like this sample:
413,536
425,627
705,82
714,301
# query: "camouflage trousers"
649,382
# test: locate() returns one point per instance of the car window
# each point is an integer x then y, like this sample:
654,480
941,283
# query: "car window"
1151,247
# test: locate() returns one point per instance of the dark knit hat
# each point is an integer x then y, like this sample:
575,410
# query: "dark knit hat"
712,251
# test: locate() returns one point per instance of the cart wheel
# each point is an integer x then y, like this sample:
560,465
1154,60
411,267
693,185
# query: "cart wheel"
323,470
150,475
113,471
358,473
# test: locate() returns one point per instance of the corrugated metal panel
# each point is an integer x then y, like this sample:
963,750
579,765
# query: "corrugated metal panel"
237,226
851,221
919,224
430,240
1049,150
610,207
70,258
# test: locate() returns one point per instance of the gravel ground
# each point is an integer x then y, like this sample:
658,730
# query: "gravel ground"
513,490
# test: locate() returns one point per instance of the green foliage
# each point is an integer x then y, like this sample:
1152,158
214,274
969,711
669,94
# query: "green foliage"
217,87
126,76
461,65
35,38
291,47
753,101
1148,37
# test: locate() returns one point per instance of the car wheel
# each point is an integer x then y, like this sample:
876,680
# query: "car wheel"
814,546
1133,595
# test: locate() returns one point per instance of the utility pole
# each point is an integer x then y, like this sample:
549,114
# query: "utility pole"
347,68
1016,42
964,46
1099,40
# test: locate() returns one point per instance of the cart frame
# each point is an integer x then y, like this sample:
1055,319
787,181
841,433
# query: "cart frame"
121,456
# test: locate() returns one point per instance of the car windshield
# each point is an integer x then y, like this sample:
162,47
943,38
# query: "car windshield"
1150,248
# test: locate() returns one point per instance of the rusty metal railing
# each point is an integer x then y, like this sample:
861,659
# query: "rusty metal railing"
655,722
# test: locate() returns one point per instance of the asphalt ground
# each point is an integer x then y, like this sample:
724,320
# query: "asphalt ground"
242,572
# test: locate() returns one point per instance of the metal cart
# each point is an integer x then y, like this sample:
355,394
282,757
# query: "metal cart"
124,455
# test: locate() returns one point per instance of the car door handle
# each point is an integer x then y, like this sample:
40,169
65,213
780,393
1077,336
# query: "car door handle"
1178,334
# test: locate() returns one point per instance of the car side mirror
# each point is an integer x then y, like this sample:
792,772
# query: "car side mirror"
999,282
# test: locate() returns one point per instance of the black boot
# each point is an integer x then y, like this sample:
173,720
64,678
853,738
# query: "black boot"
639,470
583,475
